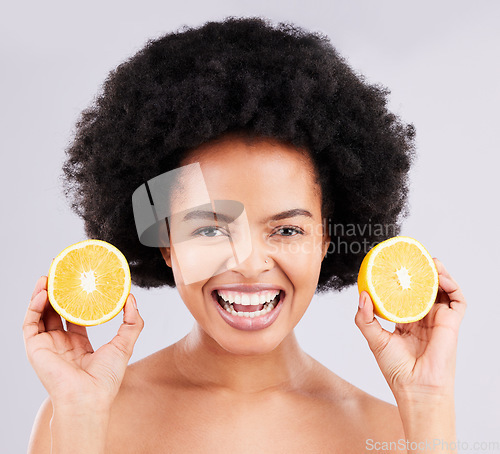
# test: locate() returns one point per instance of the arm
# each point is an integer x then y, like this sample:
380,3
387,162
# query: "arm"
82,384
79,430
69,430
429,424
39,442
418,363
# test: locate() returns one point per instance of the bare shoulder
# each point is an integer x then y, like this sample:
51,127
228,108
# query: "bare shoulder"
40,441
135,408
369,418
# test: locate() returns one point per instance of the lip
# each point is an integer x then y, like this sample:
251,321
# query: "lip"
248,288
247,323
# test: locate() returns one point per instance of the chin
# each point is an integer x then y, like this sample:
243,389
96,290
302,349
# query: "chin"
257,343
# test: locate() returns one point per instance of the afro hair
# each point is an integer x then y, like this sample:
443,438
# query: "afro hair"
241,74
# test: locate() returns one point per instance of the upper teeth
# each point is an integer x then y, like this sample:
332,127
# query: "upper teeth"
248,298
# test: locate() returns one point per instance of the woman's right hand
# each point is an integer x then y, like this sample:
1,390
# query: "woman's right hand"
69,369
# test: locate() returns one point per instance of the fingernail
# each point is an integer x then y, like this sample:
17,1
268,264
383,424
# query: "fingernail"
361,303
134,302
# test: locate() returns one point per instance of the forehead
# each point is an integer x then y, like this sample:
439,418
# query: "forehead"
261,173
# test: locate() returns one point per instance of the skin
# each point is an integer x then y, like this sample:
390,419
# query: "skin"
220,389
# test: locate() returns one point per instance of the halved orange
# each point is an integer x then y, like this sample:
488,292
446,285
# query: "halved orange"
89,282
401,278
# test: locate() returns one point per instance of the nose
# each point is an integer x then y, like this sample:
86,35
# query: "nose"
257,261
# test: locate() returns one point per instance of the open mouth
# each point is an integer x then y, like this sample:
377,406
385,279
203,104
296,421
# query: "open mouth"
249,305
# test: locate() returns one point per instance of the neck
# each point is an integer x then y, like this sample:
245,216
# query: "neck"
203,362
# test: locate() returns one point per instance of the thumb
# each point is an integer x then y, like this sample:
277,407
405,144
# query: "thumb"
376,336
130,329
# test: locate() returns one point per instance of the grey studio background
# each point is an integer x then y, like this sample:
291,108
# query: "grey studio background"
441,62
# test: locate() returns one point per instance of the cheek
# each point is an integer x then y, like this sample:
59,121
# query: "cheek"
196,262
302,269
189,292
191,296
301,261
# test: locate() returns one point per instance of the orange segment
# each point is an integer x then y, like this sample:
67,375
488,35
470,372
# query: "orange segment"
401,278
88,282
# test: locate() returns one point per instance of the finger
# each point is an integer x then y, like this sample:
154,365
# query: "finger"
442,271
77,329
34,315
40,285
41,326
457,300
452,288
130,328
375,335
52,319
442,298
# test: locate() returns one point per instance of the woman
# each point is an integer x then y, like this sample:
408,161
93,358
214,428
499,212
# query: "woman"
278,125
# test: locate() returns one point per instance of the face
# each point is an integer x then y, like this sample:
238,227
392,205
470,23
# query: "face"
275,242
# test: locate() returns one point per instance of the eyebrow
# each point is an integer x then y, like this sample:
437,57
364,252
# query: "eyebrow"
210,215
295,212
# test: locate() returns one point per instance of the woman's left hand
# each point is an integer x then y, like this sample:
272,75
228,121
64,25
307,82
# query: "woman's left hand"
418,359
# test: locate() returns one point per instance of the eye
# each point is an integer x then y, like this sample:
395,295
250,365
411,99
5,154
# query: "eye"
210,232
289,231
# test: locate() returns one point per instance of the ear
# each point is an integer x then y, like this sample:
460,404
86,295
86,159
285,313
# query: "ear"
165,252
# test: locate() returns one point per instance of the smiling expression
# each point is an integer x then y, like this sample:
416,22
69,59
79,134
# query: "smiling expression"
274,243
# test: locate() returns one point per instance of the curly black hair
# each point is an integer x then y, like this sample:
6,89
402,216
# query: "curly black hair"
240,74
